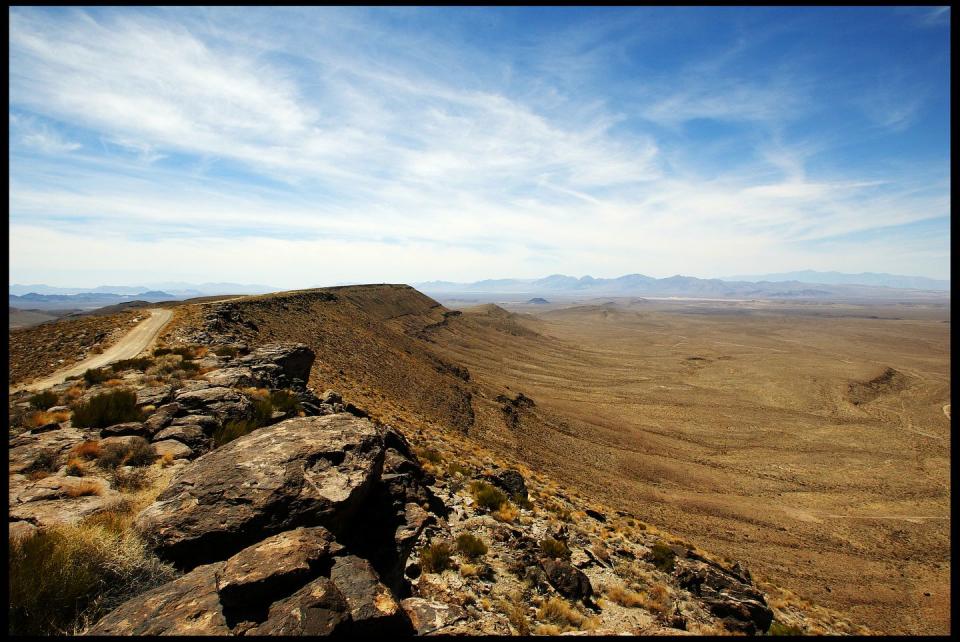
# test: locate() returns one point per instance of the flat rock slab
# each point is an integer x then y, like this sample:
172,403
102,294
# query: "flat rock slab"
275,566
223,403
429,616
307,471
25,448
154,395
186,606
174,448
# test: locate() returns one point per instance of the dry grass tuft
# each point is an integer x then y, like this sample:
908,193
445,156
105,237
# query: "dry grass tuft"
84,489
624,596
87,450
506,513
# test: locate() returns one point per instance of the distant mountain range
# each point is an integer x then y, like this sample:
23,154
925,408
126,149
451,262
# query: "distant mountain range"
174,289
840,278
682,286
45,297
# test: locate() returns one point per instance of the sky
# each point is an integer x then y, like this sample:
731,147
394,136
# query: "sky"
311,146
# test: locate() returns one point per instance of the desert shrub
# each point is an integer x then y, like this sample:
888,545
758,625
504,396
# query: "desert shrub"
107,409
430,454
487,496
554,548
506,513
454,469
225,351
187,352
521,501
130,480
285,401
139,452
83,489
232,430
190,367
139,363
662,557
778,628
435,558
86,450
262,412
44,400
37,418
559,612
624,596
46,461
471,546
516,611
96,375
67,575
75,468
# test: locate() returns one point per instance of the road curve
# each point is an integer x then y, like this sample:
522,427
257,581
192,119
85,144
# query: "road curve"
135,342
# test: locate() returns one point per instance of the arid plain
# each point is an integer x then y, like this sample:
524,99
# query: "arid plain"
811,440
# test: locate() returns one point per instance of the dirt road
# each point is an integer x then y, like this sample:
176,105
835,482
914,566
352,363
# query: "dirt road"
128,347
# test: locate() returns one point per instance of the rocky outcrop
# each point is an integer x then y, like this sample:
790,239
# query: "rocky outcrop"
509,480
726,593
225,404
280,365
189,605
569,581
304,471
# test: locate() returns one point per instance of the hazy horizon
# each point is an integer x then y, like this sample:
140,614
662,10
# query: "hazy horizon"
303,146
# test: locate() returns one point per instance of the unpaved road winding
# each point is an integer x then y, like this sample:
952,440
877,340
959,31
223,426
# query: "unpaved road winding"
136,341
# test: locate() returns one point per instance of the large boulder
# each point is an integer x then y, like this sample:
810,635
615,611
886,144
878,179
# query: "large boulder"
226,404
162,417
239,376
188,605
509,480
727,593
154,395
276,566
127,428
306,471
280,365
429,616
569,581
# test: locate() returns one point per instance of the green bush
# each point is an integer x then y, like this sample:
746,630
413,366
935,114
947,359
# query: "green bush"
45,461
97,375
132,480
285,401
140,363
776,628
435,558
232,430
487,496
430,455
554,548
107,409
663,557
187,352
470,546
521,501
139,452
44,400
66,575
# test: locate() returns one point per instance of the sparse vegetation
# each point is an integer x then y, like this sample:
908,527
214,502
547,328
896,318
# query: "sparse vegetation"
107,409
139,452
435,557
86,450
662,557
130,480
67,575
138,363
84,489
471,546
554,548
285,401
96,375
44,400
778,628
75,468
225,351
46,461
559,612
454,469
430,454
487,496
232,430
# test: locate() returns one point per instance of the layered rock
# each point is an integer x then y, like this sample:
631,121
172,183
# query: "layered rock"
304,471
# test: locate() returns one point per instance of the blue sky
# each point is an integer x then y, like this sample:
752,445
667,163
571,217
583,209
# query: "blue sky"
304,147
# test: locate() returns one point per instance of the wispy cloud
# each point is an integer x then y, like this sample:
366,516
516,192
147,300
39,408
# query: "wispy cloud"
406,154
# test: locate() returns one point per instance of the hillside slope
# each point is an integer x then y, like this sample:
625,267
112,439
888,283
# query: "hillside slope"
459,382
